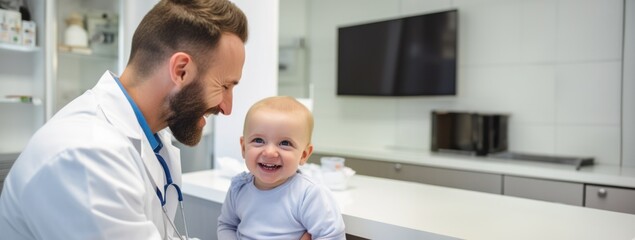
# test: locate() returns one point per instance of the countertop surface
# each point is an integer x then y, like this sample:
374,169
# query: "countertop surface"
379,208
594,174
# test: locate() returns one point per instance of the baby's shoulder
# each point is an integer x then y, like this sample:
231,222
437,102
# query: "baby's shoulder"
240,180
309,183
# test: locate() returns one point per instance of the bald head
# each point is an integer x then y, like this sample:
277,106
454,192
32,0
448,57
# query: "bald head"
283,104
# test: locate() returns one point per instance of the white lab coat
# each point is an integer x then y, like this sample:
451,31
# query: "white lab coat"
83,176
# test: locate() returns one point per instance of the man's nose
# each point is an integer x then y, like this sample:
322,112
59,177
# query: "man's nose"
226,104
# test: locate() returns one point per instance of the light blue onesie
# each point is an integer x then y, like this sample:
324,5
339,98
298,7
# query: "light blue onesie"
285,212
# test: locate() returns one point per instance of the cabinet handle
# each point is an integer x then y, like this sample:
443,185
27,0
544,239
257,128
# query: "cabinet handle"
602,192
397,167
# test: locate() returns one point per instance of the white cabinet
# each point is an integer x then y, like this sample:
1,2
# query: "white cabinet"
578,193
44,77
610,198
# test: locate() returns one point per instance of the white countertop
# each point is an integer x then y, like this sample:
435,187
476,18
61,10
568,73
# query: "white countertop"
595,174
379,208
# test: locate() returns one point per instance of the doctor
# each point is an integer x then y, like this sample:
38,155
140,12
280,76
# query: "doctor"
103,166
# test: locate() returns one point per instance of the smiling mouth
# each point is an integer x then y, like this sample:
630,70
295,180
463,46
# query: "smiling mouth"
269,166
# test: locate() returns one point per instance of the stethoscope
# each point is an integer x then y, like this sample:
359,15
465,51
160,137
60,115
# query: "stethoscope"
163,197
156,144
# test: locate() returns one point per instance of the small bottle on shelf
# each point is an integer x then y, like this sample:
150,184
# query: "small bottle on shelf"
75,34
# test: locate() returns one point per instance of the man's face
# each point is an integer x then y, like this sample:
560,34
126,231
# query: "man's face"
210,92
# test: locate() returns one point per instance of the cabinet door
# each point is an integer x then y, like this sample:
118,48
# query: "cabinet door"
610,198
482,182
546,190
201,217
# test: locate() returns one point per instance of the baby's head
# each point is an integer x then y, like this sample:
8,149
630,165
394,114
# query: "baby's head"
276,140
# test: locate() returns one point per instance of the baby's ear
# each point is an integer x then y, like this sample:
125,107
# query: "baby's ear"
242,146
308,150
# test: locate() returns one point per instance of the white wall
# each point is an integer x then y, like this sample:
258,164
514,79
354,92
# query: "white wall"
556,66
259,77
628,88
132,12
293,80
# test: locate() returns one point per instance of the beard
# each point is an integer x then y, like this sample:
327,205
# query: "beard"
187,107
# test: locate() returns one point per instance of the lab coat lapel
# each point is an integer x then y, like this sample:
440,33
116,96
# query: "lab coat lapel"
119,113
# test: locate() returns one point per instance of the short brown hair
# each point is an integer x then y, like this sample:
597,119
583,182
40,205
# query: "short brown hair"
190,26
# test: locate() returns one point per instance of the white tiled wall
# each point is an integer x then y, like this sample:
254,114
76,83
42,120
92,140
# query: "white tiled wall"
555,66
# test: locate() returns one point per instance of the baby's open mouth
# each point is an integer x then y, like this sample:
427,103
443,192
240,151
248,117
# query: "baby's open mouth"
269,166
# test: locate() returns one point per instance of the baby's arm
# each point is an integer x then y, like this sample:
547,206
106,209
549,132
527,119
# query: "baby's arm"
228,220
320,214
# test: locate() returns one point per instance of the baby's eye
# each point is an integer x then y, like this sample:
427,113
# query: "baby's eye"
258,140
286,143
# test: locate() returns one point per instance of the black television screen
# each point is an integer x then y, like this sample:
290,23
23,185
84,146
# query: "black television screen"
411,56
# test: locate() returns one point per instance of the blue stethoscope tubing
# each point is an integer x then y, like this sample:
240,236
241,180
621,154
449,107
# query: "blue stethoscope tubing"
163,198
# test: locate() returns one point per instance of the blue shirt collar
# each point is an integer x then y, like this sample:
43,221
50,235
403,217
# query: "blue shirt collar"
153,138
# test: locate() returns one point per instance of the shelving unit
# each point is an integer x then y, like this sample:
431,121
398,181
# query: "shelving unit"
14,47
23,84
79,68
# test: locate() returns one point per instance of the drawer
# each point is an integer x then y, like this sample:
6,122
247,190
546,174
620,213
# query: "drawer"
610,198
545,190
475,181
482,182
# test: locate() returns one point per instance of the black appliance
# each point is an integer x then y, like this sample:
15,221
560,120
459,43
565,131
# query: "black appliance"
409,56
469,133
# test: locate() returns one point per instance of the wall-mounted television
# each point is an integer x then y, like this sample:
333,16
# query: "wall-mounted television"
409,56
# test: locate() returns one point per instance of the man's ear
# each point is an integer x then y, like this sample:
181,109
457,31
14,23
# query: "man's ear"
306,154
182,69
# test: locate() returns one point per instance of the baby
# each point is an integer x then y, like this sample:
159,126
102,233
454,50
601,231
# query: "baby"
274,200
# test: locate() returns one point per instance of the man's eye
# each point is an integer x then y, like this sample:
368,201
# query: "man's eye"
286,143
258,140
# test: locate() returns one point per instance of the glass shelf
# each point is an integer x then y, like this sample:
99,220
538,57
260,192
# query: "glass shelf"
86,54
20,48
23,99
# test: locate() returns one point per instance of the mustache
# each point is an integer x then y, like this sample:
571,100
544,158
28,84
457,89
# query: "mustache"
212,111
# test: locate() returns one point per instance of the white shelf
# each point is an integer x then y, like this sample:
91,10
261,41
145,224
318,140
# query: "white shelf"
83,52
25,100
20,48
